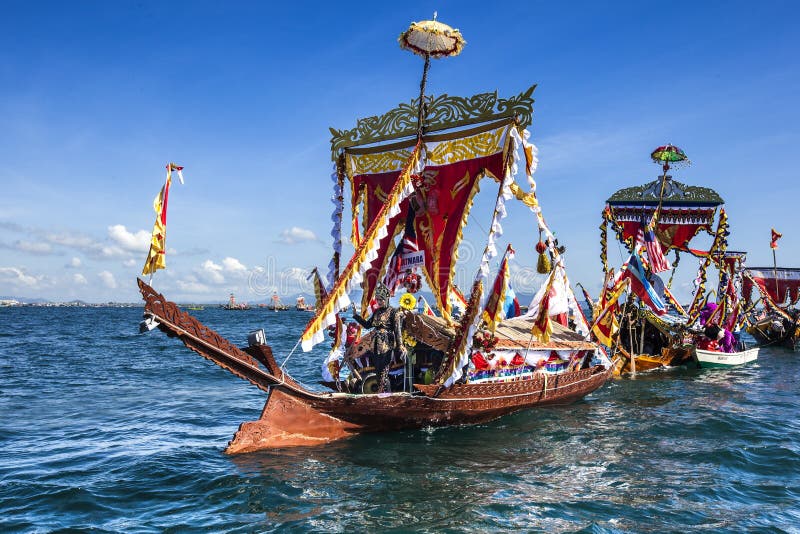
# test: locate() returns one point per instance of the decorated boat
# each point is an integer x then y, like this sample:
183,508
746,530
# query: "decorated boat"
777,289
653,330
411,176
717,340
777,321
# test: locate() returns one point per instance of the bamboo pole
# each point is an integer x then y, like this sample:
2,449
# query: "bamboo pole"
641,335
630,341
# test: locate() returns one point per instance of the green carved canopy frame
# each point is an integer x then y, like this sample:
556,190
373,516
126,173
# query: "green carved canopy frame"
675,193
441,113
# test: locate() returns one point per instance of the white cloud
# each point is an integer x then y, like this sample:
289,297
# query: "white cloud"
74,263
120,243
134,242
211,272
70,240
79,279
18,277
233,265
130,262
293,279
33,247
216,274
293,235
295,274
108,279
191,285
87,245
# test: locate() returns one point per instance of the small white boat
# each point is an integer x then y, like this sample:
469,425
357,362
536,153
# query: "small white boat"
712,358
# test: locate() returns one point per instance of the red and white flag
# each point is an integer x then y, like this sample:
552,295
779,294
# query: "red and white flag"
426,309
646,236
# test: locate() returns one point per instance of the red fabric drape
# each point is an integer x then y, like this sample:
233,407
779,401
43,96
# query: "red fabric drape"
441,202
444,192
777,292
377,186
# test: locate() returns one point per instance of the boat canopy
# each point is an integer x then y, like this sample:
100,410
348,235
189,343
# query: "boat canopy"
685,212
780,283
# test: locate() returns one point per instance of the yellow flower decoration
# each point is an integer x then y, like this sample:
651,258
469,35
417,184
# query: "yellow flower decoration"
408,302
409,341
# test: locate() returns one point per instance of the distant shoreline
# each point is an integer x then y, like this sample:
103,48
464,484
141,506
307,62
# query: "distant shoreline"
72,305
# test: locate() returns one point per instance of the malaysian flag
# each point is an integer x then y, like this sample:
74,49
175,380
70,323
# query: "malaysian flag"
646,237
395,271
641,286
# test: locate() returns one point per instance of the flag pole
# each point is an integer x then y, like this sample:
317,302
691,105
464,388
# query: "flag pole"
657,212
775,272
631,331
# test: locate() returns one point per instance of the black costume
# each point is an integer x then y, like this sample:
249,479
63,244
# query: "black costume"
387,337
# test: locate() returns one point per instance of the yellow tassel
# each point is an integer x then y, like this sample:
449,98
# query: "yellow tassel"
543,266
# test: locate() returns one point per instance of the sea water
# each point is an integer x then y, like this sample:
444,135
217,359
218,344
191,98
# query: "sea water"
106,430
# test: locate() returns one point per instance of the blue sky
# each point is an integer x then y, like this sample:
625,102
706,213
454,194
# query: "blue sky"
96,97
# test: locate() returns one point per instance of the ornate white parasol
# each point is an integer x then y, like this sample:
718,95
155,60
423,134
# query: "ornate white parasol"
431,38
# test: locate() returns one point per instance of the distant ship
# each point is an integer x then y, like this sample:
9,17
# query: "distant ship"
233,305
301,305
276,304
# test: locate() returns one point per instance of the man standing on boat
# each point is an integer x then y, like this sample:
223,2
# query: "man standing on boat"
387,337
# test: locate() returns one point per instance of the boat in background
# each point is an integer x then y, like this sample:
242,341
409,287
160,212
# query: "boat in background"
300,305
233,305
777,322
275,304
652,330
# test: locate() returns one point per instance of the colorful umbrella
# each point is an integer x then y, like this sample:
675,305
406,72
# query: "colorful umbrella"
668,154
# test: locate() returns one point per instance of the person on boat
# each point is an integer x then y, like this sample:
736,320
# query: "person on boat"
707,311
387,338
724,338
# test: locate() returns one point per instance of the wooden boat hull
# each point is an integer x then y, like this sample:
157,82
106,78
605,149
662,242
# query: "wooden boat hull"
291,419
765,334
669,357
295,416
708,358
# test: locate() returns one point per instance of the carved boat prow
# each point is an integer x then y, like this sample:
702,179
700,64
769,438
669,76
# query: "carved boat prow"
286,419
296,416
